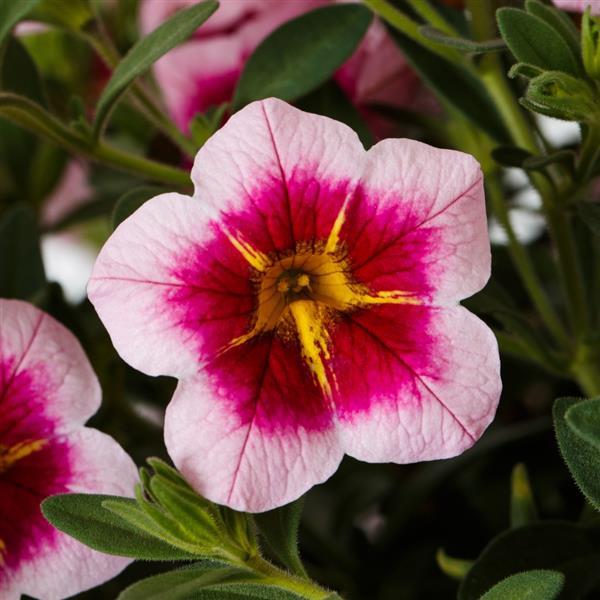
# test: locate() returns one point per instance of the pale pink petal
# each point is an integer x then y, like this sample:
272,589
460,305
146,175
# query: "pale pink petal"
32,340
62,566
135,275
275,163
431,204
579,5
419,390
243,444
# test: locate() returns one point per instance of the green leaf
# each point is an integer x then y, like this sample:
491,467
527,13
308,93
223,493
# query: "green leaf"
558,20
206,581
456,85
21,267
11,12
584,419
329,100
464,44
525,70
302,54
457,568
533,41
84,517
522,504
564,157
529,585
203,125
20,74
560,546
582,458
590,215
129,202
147,51
561,96
279,529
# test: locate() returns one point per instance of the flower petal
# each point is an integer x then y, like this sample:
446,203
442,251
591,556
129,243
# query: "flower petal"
59,566
424,385
253,431
419,222
31,340
278,175
148,285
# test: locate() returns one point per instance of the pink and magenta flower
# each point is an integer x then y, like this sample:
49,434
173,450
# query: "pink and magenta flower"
306,297
203,72
47,391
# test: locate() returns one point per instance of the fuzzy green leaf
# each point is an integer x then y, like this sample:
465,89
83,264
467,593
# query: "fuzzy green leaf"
530,585
460,43
21,267
302,54
147,51
560,546
584,419
533,41
558,20
206,581
84,517
279,529
582,457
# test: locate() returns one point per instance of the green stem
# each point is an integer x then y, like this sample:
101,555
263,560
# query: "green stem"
431,15
303,587
404,24
523,263
590,154
104,48
490,68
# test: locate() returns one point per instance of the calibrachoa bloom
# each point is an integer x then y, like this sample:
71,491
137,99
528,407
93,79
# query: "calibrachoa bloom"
579,5
306,298
47,391
376,72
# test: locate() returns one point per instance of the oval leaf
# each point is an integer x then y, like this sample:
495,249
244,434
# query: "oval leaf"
533,585
279,529
147,51
83,517
584,420
533,41
302,54
582,458
206,581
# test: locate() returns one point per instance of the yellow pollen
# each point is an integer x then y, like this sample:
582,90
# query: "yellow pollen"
3,552
314,340
334,235
9,456
254,257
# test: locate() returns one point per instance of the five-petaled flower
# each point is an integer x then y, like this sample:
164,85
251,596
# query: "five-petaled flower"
306,298
47,391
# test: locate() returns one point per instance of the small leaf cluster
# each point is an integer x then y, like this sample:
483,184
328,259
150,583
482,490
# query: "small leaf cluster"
554,58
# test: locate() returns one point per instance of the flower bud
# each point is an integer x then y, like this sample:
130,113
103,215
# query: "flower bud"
590,46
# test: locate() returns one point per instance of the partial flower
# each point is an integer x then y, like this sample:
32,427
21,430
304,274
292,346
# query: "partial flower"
47,392
306,298
376,73
579,5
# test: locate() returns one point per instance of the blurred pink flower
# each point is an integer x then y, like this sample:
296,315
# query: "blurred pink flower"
203,72
47,392
307,299
579,5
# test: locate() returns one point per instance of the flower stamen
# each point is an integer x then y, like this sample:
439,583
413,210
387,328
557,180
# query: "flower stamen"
9,456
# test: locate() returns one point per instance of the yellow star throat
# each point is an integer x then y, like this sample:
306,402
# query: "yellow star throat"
300,294
12,454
